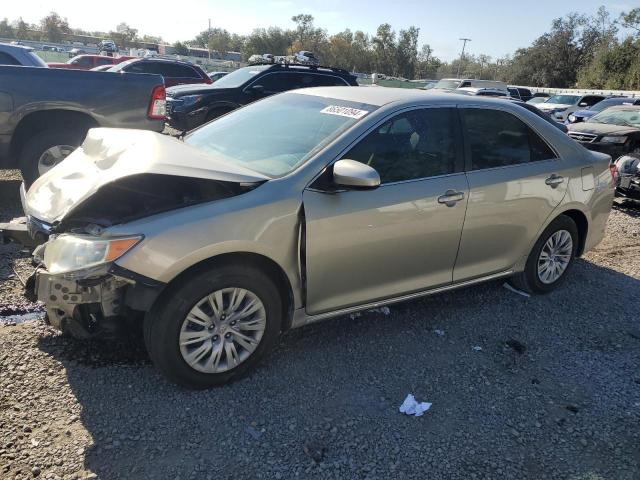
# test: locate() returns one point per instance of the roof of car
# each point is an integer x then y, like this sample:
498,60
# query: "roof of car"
379,96
627,106
9,46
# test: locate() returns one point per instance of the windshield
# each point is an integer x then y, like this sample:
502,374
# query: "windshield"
564,99
628,117
600,106
277,134
239,77
447,84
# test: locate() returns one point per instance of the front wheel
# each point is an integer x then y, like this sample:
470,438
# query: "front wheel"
214,326
550,259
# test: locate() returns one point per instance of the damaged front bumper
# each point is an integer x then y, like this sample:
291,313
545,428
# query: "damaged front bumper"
95,303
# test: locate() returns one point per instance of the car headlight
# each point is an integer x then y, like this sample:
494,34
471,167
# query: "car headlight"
191,99
614,139
572,118
67,253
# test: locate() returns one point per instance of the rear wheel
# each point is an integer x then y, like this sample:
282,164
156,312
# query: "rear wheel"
550,259
45,150
214,326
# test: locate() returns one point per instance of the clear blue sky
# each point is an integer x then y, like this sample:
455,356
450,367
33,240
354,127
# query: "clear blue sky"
496,27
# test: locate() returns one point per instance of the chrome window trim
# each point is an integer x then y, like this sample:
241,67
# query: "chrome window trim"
289,72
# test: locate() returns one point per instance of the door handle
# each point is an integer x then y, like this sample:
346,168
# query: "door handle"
554,180
450,197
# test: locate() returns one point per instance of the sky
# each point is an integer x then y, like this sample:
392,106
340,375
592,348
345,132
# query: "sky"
495,27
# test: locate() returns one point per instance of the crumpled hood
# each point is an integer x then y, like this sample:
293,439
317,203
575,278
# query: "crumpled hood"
109,154
601,128
552,106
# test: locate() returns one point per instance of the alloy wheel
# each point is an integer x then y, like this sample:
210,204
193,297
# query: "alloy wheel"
555,257
52,156
222,330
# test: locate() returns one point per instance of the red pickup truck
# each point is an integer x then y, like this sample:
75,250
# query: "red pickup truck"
87,62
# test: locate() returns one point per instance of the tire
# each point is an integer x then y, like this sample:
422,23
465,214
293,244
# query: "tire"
166,322
40,143
530,280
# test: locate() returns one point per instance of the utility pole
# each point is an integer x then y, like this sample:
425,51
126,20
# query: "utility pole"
209,39
464,44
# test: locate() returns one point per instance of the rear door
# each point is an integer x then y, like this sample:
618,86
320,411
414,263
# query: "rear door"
367,245
515,181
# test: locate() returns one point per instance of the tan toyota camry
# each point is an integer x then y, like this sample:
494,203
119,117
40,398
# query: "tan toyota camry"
304,206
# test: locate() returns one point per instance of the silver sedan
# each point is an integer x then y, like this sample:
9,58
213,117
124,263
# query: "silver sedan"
304,206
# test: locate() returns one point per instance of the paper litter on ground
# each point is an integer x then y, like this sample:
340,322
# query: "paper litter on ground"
411,407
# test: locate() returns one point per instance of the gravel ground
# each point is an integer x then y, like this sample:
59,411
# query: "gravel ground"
553,391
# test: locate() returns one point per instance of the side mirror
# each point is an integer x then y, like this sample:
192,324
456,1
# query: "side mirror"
349,173
256,89
583,104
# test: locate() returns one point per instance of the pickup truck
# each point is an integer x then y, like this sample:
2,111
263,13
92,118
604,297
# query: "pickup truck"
45,113
87,62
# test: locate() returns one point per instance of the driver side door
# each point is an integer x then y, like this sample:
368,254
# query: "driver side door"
402,237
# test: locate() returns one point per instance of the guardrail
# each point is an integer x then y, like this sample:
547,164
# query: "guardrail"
582,91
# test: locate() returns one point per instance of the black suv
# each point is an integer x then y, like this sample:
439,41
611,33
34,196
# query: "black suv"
189,106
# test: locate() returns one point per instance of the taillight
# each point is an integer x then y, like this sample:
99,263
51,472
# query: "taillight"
613,168
158,105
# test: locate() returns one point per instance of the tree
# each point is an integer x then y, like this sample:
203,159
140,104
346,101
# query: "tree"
124,35
219,41
304,26
6,30
180,48
21,29
407,52
631,19
384,46
54,27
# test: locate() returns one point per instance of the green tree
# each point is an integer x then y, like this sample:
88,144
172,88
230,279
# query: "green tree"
6,30
407,52
54,27
124,35
304,28
631,20
21,28
180,48
384,46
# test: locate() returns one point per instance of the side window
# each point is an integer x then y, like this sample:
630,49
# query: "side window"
139,67
104,61
325,81
84,62
416,144
514,92
6,59
173,70
499,139
279,82
588,101
465,84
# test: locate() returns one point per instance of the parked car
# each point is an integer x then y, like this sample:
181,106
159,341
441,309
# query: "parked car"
582,115
520,93
190,106
49,48
87,62
483,92
614,131
48,111
454,83
102,68
174,72
108,46
11,54
541,94
561,106
216,75
536,100
545,116
628,176
74,52
304,206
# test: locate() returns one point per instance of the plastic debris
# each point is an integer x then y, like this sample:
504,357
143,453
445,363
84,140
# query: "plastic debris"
476,348
411,407
440,333
515,290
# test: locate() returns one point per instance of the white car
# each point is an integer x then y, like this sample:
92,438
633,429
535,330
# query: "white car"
561,106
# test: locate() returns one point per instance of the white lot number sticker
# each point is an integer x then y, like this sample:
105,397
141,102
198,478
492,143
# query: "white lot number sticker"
344,111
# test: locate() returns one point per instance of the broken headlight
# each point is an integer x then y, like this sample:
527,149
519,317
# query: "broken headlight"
67,253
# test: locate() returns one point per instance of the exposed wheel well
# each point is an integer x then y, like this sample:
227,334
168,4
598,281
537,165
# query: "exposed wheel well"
583,227
37,122
265,264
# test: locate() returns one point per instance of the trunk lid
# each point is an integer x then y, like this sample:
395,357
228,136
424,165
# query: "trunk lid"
110,154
